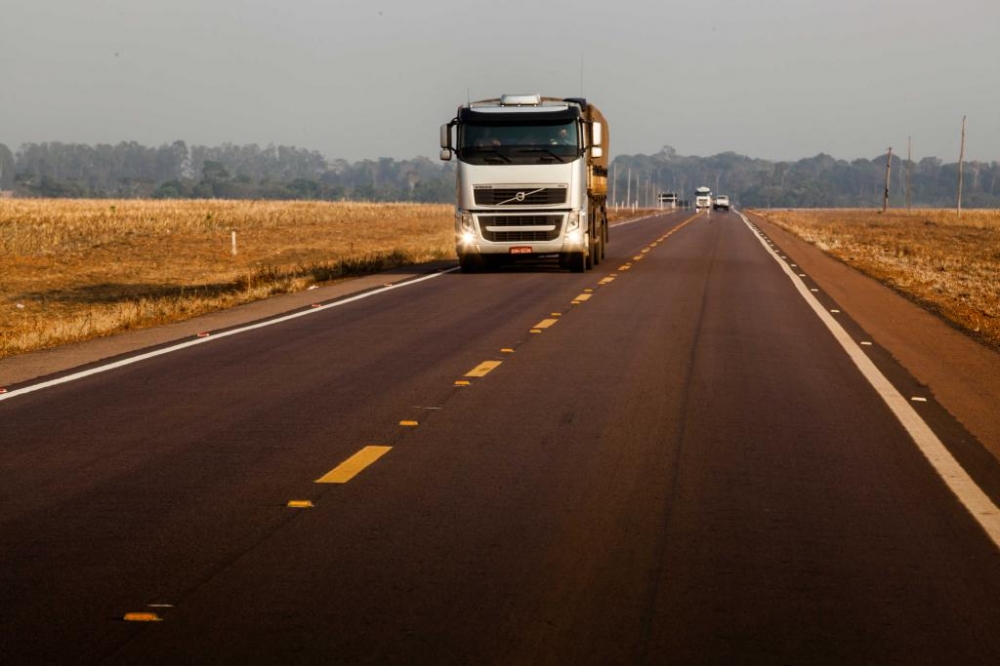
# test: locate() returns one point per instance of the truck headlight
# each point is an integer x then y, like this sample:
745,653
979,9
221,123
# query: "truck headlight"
576,223
573,220
465,227
466,223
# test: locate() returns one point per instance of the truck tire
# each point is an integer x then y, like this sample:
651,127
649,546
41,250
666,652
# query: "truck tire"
595,237
470,263
578,261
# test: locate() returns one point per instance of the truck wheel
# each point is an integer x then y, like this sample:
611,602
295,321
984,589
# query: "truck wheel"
578,262
469,263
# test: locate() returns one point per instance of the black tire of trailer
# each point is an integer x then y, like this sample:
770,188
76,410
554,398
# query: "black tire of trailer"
605,230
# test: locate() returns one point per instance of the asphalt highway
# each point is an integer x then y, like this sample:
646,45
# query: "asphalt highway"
669,459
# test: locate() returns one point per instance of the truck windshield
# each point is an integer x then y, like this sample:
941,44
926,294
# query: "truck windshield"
522,143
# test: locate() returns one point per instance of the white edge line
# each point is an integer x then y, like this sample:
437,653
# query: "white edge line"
210,338
978,504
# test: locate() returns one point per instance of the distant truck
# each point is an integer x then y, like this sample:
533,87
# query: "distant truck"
721,202
702,198
531,181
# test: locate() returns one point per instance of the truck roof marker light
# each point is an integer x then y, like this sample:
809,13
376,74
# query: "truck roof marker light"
520,100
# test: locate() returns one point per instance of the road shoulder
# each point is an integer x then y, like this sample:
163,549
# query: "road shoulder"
963,375
43,363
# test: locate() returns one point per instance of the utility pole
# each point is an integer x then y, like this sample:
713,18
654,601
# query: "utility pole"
909,174
961,159
628,192
888,173
614,185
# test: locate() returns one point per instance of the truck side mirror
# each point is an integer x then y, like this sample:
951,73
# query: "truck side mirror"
446,148
597,140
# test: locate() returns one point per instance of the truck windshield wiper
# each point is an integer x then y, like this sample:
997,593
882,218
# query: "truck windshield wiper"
542,150
490,151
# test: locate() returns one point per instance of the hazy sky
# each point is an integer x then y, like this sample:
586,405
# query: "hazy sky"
775,79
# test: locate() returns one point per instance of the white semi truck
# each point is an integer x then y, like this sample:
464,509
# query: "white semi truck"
531,180
702,198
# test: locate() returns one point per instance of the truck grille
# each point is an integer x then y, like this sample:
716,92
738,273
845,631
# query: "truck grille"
521,196
513,230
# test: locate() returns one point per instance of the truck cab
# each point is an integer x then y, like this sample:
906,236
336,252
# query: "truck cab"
702,198
531,181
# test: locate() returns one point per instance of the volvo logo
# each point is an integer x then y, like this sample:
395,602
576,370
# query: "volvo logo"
519,196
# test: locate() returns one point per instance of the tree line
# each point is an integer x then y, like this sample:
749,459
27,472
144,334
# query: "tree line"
131,170
816,182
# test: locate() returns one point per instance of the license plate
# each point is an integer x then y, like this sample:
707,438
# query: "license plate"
520,250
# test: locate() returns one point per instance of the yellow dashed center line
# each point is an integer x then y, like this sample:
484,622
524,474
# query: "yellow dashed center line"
354,465
357,463
142,617
483,369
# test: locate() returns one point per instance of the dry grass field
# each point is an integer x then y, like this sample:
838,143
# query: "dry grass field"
72,270
948,265
77,269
